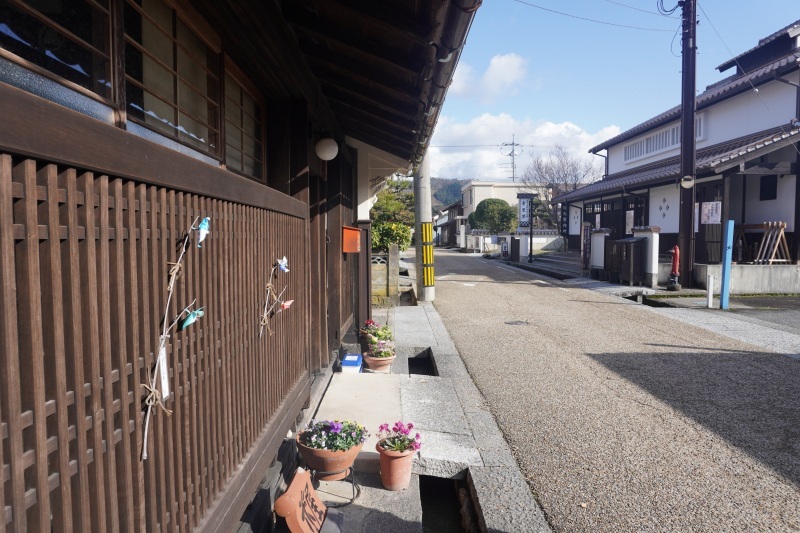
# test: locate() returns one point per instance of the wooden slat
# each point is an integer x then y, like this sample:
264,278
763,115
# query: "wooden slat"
91,338
193,360
73,333
117,358
210,280
104,359
151,499
55,348
165,431
175,227
31,347
9,354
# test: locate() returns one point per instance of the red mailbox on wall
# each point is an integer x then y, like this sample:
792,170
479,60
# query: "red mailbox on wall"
351,240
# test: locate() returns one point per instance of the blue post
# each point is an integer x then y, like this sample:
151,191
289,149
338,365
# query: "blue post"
726,266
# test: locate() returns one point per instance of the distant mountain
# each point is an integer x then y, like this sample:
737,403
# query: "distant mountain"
444,192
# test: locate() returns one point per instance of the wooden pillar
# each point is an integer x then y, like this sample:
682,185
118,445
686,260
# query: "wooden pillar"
335,222
296,181
365,272
795,244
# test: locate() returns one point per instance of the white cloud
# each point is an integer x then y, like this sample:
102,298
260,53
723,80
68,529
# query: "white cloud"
475,150
503,77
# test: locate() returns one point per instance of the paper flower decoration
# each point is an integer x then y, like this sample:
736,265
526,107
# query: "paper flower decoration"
202,231
283,264
190,319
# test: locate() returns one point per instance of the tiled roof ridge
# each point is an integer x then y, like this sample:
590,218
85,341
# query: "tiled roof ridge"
707,158
762,42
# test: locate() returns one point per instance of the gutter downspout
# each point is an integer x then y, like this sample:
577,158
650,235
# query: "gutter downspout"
605,163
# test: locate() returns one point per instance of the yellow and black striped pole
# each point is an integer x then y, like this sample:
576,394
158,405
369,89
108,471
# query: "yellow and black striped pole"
427,254
423,214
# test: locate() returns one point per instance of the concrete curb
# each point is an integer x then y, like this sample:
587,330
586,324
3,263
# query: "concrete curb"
503,499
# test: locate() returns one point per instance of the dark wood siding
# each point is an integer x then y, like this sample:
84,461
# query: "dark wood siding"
84,281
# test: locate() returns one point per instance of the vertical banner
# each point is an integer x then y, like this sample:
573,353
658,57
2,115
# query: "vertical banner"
564,219
525,208
427,254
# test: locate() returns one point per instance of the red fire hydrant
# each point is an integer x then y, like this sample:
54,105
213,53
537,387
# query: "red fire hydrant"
673,284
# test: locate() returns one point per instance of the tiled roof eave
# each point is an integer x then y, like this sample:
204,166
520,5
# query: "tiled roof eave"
736,86
708,162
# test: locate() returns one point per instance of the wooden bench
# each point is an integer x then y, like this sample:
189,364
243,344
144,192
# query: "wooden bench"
303,510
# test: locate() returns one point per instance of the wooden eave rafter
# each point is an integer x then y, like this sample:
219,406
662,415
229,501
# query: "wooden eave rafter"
369,103
375,81
356,47
378,117
388,20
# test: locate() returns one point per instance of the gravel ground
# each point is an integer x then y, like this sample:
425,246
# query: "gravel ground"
621,418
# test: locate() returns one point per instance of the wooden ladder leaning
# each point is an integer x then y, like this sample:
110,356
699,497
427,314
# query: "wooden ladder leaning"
773,247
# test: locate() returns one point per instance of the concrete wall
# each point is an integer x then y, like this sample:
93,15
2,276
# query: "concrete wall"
752,279
745,279
386,276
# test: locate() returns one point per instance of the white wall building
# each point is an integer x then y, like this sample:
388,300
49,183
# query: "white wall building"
747,133
475,191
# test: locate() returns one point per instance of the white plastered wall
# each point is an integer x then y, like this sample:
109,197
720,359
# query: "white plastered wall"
665,208
373,163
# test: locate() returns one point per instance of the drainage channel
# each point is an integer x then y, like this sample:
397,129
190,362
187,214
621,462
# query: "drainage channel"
422,364
446,503
650,302
446,506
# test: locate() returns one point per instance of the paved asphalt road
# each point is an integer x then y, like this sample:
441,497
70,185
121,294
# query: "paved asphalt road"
620,418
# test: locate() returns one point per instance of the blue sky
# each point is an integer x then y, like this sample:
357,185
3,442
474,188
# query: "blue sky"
551,78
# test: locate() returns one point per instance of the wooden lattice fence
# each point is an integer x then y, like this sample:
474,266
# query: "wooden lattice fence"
83,274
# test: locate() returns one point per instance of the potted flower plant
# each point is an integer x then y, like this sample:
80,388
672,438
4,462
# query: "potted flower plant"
330,447
381,352
397,446
370,326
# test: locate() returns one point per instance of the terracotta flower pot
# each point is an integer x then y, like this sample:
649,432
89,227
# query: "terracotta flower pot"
336,462
395,468
378,363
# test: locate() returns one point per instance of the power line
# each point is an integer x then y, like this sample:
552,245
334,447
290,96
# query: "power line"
639,9
588,19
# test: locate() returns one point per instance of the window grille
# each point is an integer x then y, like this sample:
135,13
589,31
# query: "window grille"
68,41
171,76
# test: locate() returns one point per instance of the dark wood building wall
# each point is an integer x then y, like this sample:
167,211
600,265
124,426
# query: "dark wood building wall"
89,224
342,267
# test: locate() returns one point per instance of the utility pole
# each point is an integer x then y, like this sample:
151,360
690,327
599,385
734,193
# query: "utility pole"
513,155
686,235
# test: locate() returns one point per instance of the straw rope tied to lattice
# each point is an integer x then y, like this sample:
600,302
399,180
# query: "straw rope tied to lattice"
157,385
274,303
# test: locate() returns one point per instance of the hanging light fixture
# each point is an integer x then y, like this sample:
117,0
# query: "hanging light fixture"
326,148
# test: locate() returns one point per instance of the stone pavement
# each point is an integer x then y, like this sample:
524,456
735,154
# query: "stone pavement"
460,438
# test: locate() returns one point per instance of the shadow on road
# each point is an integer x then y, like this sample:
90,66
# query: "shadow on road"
752,400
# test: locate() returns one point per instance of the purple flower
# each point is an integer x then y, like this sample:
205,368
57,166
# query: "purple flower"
336,427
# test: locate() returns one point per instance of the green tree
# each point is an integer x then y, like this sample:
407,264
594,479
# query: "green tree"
395,203
495,215
393,215
386,233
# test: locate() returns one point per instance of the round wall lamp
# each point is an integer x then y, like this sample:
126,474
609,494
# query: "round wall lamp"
326,148
687,182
